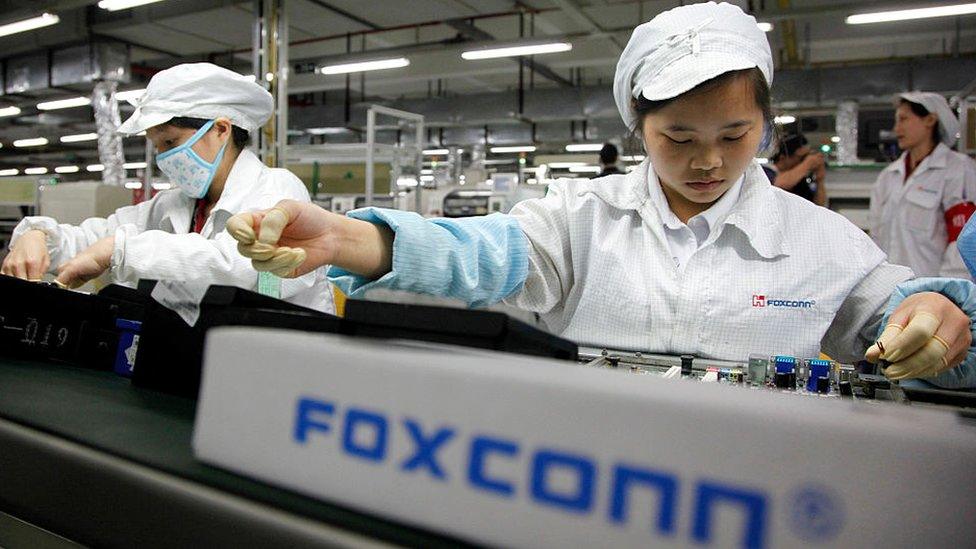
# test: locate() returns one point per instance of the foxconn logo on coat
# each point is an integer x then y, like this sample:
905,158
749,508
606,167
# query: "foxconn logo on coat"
761,301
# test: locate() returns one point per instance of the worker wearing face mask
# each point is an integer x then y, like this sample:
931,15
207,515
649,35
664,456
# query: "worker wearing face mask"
199,117
921,201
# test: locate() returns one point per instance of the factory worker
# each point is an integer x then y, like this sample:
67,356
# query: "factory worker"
797,169
199,117
694,252
921,201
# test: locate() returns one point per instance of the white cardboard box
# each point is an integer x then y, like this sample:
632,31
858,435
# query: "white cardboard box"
525,452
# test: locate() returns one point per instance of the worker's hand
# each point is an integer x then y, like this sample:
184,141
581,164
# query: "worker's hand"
29,258
87,265
289,240
814,161
926,335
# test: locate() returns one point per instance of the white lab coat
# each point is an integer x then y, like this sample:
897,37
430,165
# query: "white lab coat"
907,218
779,275
153,239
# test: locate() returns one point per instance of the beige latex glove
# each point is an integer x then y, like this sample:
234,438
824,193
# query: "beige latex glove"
926,335
262,248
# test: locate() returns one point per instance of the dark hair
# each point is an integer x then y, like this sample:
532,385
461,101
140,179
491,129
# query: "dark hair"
760,89
789,144
608,154
921,112
239,136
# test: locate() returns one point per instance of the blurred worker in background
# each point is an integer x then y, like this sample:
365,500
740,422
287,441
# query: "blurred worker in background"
199,117
608,160
921,201
799,170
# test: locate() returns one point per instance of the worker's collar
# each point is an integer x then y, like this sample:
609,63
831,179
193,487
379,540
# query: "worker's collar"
713,216
759,215
240,181
754,211
936,159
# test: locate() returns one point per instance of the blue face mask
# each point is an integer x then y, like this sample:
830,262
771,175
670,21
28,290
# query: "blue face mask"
185,169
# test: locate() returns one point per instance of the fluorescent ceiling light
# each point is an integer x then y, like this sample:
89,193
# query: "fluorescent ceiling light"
586,169
426,172
35,171
326,131
765,27
115,5
11,171
344,68
33,142
634,158
564,165
519,149
436,152
79,137
64,104
426,178
133,185
67,169
514,51
785,119
130,94
10,111
904,15
43,20
584,147
835,139
95,168
162,186
134,165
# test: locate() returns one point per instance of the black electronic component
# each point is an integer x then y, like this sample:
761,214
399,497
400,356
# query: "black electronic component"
846,389
687,361
170,356
823,385
43,322
171,352
466,327
784,380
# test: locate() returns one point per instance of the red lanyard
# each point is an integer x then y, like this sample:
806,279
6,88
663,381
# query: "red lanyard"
200,215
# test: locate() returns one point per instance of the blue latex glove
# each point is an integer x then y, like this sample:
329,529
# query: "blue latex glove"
479,260
963,294
967,245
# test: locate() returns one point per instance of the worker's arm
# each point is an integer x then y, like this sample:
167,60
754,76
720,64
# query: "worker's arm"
41,245
787,179
820,198
477,260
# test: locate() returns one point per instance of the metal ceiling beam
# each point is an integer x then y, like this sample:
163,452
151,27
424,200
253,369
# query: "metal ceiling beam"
573,10
346,14
469,30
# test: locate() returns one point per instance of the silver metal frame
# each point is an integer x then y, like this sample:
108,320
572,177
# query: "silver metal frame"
418,145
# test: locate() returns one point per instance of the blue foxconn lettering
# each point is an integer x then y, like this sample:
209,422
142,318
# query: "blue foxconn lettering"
365,435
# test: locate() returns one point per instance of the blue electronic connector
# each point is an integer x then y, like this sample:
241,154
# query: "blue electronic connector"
785,372
785,364
819,370
125,355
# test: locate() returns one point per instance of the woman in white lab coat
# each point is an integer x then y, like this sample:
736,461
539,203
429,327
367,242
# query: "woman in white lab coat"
921,201
693,252
199,117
